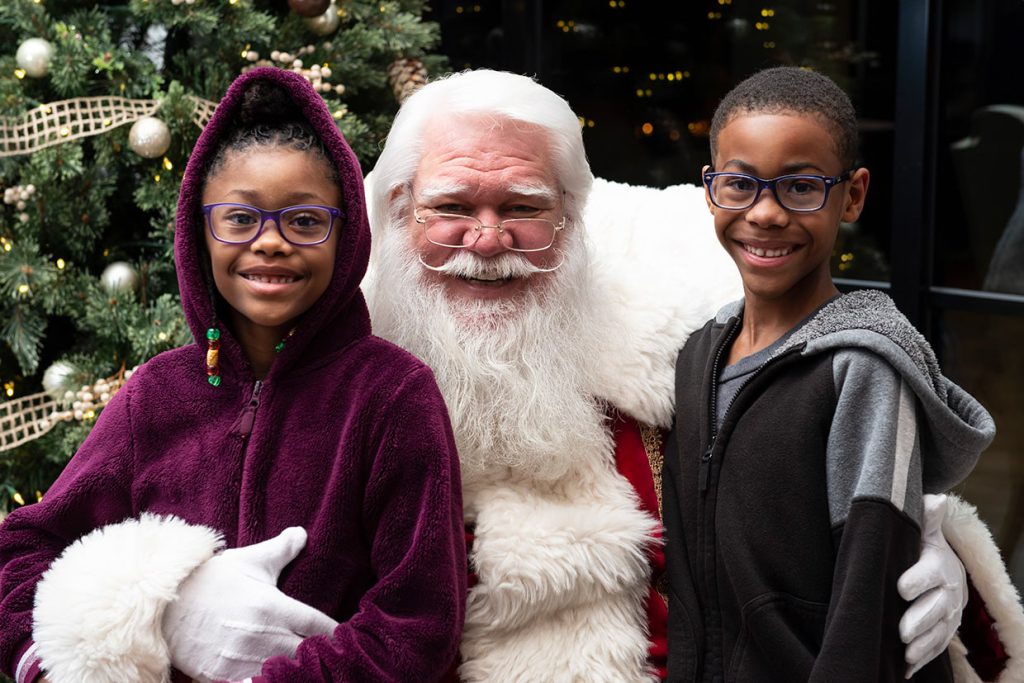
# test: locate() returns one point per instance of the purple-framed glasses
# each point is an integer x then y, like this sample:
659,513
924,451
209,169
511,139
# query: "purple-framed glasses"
802,192
304,225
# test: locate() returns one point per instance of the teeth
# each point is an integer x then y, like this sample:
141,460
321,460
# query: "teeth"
271,279
770,253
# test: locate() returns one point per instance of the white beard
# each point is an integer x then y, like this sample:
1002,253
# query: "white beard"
560,544
517,375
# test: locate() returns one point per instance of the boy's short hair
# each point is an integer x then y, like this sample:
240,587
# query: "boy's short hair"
790,89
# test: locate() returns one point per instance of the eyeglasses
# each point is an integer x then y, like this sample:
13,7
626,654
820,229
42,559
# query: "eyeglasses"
304,225
457,231
800,192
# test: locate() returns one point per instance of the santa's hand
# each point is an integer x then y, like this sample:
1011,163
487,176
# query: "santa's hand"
937,587
230,616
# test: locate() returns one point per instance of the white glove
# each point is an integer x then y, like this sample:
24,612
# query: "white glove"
230,617
937,586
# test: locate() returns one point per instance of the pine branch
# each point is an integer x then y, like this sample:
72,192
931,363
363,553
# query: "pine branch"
23,333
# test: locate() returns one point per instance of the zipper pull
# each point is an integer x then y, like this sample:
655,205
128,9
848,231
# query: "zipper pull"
704,474
244,423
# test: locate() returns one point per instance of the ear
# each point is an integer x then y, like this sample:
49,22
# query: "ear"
856,193
397,192
707,192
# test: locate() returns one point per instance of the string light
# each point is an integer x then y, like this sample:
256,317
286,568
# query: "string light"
60,264
167,164
17,498
9,389
698,128
20,73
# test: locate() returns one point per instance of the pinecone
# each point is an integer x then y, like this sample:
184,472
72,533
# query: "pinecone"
406,75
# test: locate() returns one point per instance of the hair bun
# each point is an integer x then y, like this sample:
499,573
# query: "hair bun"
267,103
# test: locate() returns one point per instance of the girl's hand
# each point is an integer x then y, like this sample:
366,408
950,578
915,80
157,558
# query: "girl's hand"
230,616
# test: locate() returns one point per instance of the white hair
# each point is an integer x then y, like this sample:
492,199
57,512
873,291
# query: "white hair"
500,96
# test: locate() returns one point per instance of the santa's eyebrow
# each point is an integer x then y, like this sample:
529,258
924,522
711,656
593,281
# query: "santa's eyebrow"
435,191
534,190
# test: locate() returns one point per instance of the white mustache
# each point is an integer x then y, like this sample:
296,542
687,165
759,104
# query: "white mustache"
509,265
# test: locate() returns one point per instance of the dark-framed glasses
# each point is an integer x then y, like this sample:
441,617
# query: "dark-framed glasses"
797,192
457,231
304,225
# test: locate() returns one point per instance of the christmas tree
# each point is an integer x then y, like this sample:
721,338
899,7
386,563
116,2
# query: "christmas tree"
100,105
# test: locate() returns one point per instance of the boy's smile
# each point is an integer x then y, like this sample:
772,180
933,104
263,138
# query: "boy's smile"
784,255
270,282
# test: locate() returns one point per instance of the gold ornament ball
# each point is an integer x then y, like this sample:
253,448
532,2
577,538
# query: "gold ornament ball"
34,56
309,8
119,276
326,23
149,137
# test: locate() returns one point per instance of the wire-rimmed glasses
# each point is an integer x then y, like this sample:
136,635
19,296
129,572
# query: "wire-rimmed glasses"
797,192
458,231
303,225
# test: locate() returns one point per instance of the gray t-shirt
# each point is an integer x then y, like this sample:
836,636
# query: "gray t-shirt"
732,377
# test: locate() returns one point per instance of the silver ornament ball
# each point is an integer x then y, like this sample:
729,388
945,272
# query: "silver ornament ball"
149,137
119,277
326,23
34,56
59,378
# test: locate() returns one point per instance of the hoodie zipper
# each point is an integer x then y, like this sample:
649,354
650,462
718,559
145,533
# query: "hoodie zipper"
248,416
704,473
706,520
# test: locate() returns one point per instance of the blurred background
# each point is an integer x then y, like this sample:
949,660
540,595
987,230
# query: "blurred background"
100,104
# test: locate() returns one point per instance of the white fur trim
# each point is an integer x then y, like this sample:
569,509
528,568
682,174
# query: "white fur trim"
664,274
563,576
99,605
975,547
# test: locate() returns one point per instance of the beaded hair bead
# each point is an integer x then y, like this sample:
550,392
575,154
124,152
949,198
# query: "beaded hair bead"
212,356
280,345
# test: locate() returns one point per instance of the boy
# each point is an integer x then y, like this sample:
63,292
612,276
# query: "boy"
811,423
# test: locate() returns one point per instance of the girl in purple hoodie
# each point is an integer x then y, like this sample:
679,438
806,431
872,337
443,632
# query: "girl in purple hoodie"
285,418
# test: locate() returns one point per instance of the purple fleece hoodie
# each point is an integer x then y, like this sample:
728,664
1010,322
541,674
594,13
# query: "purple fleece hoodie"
349,438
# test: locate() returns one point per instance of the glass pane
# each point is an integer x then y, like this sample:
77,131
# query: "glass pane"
976,357
645,79
980,214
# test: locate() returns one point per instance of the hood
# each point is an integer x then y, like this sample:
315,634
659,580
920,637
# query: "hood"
958,427
341,308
